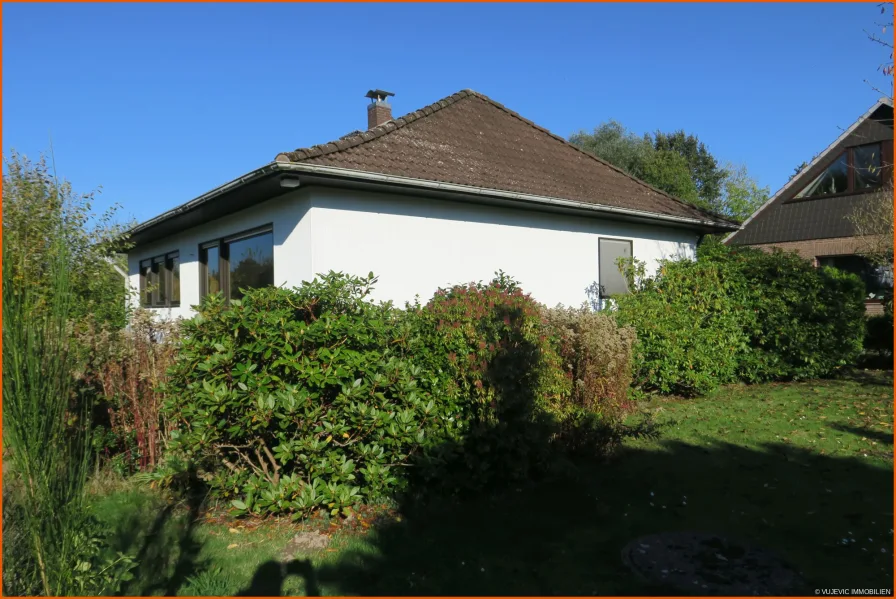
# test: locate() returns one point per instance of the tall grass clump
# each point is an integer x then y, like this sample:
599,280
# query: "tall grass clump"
49,457
47,440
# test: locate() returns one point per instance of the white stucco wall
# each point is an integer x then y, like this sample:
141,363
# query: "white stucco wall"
416,245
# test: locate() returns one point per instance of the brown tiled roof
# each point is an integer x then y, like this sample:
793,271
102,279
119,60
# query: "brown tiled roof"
469,139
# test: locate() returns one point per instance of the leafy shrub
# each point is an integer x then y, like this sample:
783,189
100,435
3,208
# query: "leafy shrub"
689,329
297,400
488,344
879,336
126,369
802,321
294,400
741,314
596,355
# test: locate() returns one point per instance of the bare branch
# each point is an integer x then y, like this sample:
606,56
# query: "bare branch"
873,37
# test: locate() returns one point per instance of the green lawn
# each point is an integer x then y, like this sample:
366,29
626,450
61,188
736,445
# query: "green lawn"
804,469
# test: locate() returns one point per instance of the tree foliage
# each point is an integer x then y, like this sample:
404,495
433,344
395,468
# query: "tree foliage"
741,194
612,142
669,171
873,223
704,169
679,164
36,209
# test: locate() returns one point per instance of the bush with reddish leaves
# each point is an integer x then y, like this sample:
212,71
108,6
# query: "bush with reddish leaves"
488,343
529,380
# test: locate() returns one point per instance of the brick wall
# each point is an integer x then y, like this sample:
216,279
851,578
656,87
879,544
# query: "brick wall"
378,113
813,248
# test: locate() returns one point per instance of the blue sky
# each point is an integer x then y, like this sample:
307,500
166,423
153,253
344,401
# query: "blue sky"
158,103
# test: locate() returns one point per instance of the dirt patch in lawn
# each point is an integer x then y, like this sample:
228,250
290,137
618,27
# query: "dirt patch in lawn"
709,564
305,542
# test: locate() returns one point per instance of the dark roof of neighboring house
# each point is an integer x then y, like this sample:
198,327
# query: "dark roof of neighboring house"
783,218
469,139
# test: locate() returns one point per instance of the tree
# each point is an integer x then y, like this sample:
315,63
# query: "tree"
615,144
670,172
873,223
705,171
679,164
741,194
38,211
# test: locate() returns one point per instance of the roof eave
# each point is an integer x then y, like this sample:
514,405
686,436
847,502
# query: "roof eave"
338,173
267,179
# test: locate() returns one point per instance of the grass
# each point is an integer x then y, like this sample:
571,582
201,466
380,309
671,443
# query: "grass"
804,469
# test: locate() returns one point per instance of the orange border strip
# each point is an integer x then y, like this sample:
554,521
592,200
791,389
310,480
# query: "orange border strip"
893,549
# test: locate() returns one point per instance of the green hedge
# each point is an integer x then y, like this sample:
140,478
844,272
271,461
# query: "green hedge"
295,400
742,314
317,398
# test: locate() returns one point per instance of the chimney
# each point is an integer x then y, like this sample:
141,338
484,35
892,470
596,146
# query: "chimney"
379,111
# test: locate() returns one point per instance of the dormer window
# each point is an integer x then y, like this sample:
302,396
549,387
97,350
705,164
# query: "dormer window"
856,170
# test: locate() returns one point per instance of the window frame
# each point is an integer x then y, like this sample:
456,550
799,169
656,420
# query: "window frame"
160,269
850,174
600,286
223,246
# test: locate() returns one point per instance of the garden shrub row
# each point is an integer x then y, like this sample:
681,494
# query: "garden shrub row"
741,314
294,400
318,398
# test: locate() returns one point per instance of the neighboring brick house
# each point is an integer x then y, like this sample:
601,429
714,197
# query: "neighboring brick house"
810,214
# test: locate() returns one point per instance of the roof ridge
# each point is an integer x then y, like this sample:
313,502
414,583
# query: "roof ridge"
351,141
590,155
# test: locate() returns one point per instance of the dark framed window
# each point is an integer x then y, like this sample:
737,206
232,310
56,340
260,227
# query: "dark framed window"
856,170
878,280
160,281
609,251
242,261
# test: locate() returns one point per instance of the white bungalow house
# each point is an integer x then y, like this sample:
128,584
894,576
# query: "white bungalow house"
444,195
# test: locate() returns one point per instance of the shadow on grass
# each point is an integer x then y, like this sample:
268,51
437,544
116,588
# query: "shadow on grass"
564,535
861,431
270,577
167,551
879,373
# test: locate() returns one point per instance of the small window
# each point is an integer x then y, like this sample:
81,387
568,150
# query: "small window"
834,179
160,281
612,281
244,261
211,276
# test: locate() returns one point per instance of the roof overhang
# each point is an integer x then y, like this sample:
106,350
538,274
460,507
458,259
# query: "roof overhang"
278,178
